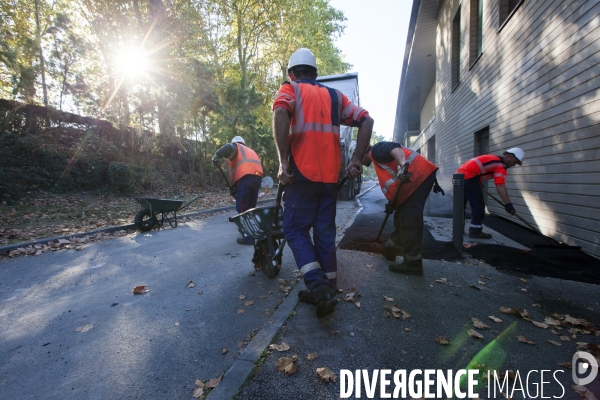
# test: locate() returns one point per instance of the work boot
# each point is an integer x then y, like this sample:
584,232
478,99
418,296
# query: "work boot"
326,300
408,267
479,235
390,253
306,296
245,240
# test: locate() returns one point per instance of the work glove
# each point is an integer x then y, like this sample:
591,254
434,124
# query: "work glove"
437,188
232,190
389,209
404,175
510,208
216,160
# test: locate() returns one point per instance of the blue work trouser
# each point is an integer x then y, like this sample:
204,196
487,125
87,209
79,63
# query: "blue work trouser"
407,236
309,205
247,192
474,196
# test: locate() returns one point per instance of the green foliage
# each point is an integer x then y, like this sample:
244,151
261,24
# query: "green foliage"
124,177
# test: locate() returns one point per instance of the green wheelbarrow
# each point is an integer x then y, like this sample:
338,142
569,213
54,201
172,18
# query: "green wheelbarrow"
146,218
265,227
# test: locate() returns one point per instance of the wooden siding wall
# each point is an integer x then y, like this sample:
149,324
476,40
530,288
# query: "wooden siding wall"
536,86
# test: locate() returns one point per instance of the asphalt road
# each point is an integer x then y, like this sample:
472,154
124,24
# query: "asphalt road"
70,326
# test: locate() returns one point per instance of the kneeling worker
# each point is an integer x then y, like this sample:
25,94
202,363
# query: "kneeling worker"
245,176
480,169
390,159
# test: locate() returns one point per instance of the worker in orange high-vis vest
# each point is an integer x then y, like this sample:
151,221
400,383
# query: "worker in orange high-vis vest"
389,160
245,176
306,126
480,169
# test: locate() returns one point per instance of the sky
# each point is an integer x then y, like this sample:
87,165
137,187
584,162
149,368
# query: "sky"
373,42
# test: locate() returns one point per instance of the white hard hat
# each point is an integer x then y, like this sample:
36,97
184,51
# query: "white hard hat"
302,57
238,139
518,153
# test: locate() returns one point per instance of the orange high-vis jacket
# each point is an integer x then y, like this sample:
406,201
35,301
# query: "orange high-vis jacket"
318,111
487,166
420,168
246,163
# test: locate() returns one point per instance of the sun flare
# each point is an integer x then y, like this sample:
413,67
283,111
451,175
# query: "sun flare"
132,62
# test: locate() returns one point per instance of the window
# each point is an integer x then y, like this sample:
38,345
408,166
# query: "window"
476,28
431,149
481,142
456,49
506,9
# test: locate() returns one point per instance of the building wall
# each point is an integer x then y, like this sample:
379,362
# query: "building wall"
428,109
536,86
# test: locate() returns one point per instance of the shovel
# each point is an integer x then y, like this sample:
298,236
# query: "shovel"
553,242
225,177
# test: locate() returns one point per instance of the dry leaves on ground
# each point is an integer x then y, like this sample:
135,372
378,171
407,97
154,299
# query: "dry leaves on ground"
242,297
523,339
249,303
280,347
287,365
397,312
140,290
190,284
478,324
446,282
224,350
442,340
495,319
540,324
207,384
475,334
584,392
311,356
326,374
390,299
554,343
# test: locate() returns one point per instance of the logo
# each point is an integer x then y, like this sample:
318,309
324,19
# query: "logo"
584,363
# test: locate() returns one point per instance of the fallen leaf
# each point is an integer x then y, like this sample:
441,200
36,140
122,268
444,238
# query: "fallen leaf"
198,392
357,304
326,374
506,310
140,290
523,290
262,296
286,364
369,266
475,334
176,323
485,277
84,328
242,297
523,339
311,356
583,392
213,383
565,364
249,303
240,344
199,383
535,305
442,340
241,311
406,329
540,324
224,350
565,338
495,319
335,332
554,343
280,347
478,324
552,321
200,292
523,280
190,284
482,283
388,298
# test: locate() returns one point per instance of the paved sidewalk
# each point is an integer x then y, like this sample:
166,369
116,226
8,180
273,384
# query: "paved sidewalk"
364,334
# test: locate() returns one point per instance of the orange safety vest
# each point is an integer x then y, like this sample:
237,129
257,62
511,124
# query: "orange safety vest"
487,166
420,167
246,163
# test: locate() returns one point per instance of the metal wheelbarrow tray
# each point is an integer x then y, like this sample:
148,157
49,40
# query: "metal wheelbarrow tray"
146,218
264,225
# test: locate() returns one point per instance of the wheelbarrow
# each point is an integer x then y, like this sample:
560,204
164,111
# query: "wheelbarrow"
146,218
265,227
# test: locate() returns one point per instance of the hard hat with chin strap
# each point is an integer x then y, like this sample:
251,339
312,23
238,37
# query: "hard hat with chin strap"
302,56
238,139
518,153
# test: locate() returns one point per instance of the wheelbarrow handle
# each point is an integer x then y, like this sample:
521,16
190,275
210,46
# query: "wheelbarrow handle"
191,201
280,190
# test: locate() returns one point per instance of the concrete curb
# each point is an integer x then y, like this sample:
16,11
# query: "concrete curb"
235,377
7,248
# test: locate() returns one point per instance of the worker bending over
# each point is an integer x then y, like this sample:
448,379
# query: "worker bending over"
478,170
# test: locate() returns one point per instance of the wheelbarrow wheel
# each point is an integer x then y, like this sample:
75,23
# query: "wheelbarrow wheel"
266,262
144,220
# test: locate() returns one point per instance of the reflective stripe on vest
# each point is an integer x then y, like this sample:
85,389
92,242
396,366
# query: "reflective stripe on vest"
314,137
420,168
246,163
